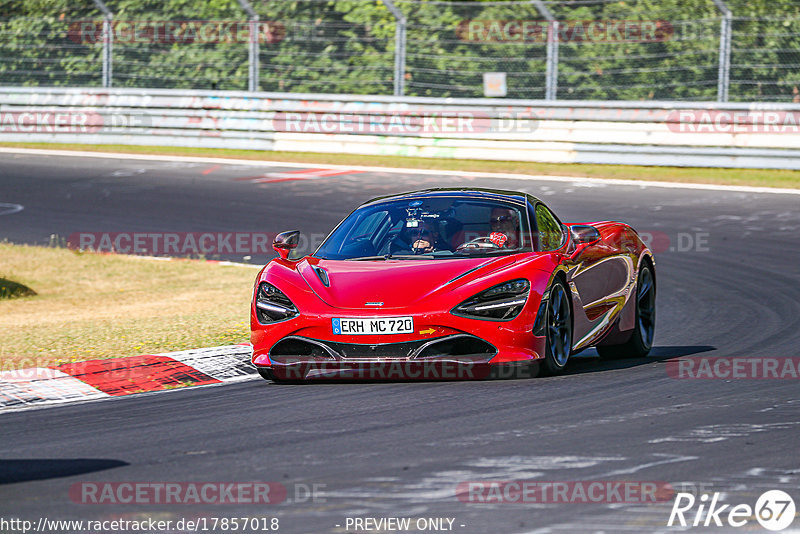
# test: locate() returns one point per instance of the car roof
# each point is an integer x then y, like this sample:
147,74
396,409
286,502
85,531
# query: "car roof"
516,197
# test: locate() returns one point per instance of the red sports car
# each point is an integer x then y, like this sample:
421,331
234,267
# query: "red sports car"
452,284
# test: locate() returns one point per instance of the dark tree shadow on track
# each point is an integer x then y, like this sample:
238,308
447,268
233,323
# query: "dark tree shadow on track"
586,363
12,471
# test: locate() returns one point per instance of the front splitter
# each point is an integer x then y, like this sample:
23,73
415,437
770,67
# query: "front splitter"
401,370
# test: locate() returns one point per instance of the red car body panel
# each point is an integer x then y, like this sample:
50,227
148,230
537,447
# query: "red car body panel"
601,278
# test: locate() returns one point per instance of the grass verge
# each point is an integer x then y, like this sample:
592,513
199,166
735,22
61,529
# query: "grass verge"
90,306
748,177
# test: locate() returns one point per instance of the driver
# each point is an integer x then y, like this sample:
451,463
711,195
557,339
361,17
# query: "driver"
504,225
422,239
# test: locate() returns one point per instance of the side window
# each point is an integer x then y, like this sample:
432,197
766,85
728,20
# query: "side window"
549,230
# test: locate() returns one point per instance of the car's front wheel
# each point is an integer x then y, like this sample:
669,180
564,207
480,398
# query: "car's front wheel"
558,326
641,340
266,373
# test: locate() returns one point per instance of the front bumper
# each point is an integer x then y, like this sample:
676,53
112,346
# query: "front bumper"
442,346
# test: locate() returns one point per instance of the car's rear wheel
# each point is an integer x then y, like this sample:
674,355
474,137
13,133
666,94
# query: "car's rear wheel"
558,335
641,340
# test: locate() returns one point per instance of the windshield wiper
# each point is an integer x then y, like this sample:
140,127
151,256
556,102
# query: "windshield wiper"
393,257
368,258
409,256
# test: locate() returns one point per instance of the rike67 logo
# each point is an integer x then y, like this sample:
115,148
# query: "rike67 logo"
774,510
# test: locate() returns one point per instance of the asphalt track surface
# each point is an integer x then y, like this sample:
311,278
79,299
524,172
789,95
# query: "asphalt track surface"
401,449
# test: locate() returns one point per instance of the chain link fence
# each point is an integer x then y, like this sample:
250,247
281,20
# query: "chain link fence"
705,50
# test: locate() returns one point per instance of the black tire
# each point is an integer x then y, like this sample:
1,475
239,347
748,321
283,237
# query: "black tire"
641,340
558,329
266,373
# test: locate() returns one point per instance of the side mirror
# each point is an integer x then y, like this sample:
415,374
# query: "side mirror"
286,242
584,234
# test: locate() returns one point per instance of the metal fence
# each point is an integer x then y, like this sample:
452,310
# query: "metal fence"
704,50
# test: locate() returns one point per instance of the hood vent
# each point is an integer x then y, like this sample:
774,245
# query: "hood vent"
465,273
323,276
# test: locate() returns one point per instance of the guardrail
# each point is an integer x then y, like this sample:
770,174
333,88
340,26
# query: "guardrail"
637,133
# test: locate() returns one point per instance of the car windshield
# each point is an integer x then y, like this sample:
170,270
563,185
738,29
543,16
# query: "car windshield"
429,228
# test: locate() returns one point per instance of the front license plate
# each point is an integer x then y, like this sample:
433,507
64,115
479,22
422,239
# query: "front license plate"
373,326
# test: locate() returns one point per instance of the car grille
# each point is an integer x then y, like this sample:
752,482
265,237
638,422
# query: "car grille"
457,346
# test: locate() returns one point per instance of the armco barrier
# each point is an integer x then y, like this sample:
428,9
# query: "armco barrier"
638,133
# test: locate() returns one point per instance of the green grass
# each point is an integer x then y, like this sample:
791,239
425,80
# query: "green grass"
749,177
90,306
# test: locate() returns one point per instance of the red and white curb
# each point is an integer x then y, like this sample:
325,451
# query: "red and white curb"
293,176
98,379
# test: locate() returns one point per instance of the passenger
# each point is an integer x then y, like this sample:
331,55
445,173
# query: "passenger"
504,225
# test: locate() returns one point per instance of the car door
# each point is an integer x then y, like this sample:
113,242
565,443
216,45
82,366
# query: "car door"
598,277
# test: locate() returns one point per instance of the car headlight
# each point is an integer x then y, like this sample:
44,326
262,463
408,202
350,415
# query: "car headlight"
272,305
502,302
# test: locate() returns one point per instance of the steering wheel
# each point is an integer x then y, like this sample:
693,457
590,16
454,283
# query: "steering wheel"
479,243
